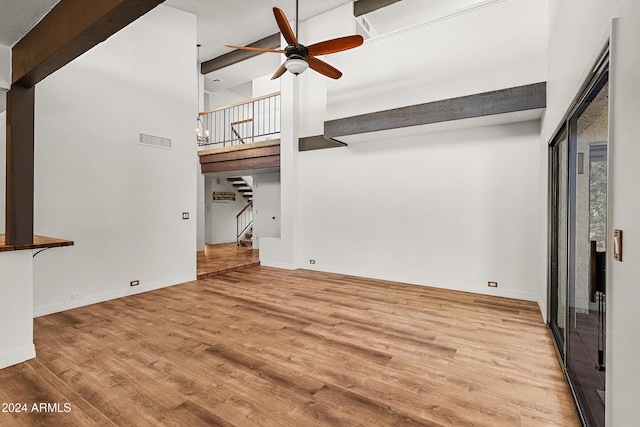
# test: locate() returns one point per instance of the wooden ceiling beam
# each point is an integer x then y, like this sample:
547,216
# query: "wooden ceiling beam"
362,7
70,29
502,101
239,55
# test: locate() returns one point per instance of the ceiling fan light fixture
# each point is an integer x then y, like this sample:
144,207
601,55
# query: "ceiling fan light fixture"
296,64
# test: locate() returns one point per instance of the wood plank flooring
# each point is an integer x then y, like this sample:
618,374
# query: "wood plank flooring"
268,347
223,257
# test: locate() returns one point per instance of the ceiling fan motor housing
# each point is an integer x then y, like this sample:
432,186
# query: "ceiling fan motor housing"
300,52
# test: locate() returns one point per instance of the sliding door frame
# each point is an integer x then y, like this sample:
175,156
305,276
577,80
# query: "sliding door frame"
566,131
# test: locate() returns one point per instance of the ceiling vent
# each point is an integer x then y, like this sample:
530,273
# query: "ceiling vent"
154,141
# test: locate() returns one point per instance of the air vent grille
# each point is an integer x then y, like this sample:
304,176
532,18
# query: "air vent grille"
154,141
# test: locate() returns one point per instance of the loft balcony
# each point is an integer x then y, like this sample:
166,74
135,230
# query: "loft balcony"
241,137
254,120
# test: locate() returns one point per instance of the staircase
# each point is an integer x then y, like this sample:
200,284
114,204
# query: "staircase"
242,187
244,219
246,239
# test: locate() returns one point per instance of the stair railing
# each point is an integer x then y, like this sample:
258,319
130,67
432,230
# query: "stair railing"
242,123
244,221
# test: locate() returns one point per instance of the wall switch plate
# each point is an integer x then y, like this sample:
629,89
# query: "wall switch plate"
617,245
493,284
134,283
185,215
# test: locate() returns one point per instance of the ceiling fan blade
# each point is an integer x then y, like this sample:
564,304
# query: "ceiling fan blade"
259,49
279,72
323,68
335,45
284,26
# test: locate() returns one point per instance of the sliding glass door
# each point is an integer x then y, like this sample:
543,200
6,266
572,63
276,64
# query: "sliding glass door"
578,247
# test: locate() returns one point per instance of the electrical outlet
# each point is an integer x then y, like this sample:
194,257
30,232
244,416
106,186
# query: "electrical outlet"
493,284
312,261
76,295
134,283
185,215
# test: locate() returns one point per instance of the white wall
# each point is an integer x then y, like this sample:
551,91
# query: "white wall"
578,32
623,316
16,308
221,217
264,86
499,46
3,167
222,98
5,68
200,214
206,209
313,86
120,202
281,252
266,207
453,209
350,212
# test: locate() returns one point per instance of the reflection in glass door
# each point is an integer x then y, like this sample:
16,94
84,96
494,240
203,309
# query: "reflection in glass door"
578,247
588,223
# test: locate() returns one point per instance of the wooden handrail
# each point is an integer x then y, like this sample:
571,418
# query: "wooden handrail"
235,132
245,208
248,101
239,122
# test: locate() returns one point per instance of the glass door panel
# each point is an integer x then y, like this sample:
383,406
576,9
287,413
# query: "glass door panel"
588,218
559,237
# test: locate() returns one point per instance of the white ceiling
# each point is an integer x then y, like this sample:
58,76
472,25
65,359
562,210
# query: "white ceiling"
242,22
409,13
17,17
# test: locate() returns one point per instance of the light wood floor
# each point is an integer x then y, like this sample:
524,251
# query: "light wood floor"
223,257
267,347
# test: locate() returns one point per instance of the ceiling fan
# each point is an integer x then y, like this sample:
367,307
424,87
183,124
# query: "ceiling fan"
301,57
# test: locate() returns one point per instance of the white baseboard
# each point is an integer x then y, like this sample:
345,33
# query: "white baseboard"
543,309
57,307
19,355
282,265
499,292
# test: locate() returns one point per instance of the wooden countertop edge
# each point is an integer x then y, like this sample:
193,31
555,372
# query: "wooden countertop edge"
39,242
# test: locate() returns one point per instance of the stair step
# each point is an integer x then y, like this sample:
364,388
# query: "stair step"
248,235
242,183
244,189
246,242
235,178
